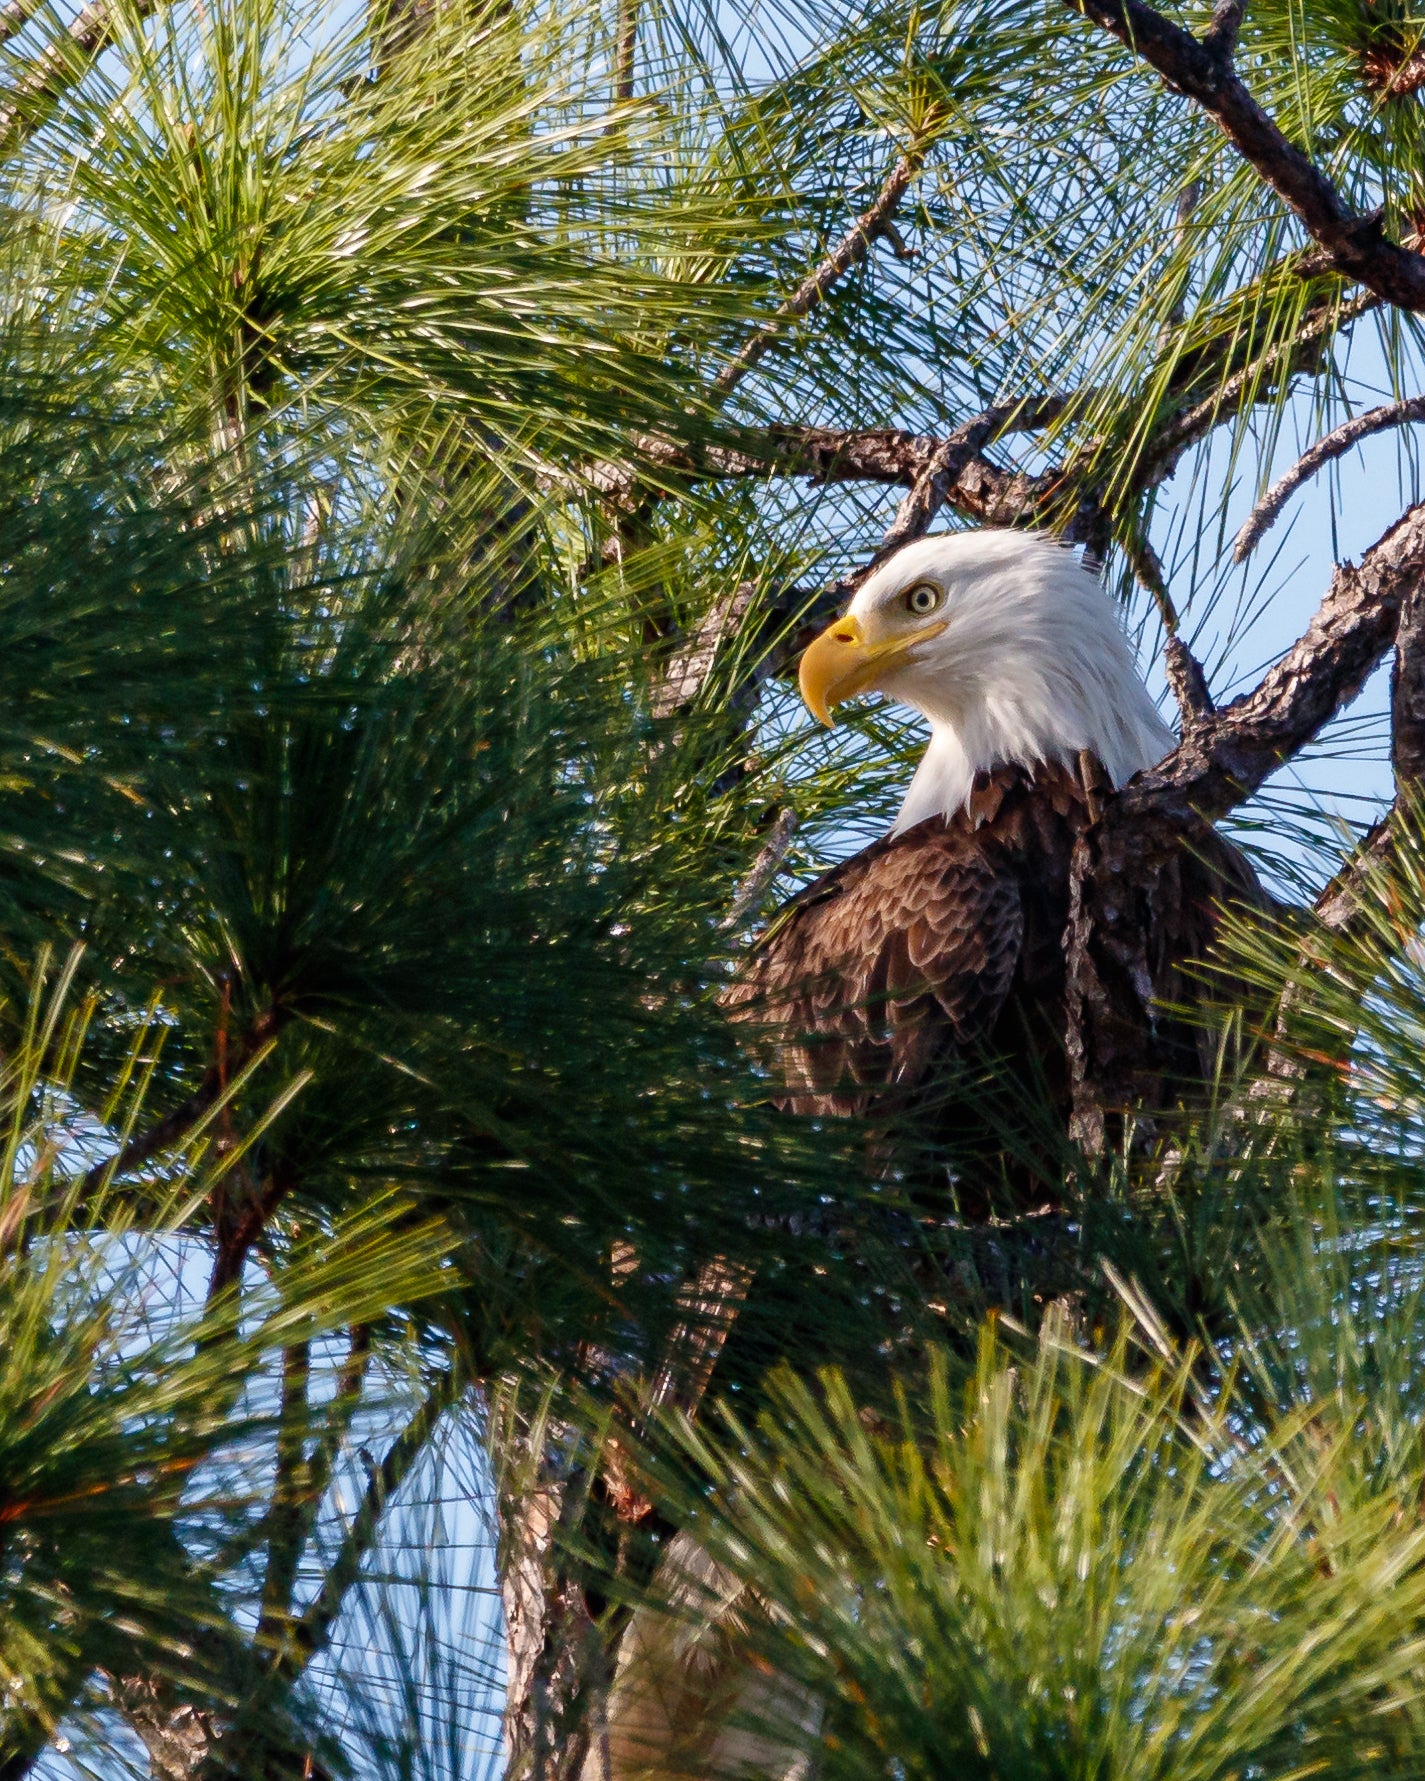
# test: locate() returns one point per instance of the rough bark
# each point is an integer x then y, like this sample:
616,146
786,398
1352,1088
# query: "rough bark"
1361,878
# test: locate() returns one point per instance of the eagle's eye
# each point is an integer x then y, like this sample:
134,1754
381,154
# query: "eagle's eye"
922,598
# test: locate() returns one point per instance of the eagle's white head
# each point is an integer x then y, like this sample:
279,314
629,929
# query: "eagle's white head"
1010,648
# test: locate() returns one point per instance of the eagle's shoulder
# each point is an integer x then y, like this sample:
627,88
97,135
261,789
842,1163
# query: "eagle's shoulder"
1013,818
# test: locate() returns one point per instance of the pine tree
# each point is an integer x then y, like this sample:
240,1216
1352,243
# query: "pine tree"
427,436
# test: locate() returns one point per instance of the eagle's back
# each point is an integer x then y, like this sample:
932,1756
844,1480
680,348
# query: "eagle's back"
913,952
946,946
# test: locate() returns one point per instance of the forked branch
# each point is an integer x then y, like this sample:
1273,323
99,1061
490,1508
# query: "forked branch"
1225,758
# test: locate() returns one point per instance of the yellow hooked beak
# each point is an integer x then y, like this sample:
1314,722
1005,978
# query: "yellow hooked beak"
841,663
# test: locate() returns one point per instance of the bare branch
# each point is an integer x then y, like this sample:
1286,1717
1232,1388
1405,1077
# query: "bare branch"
964,478
625,51
1188,682
1333,445
1184,672
1221,35
850,251
938,477
1357,244
1148,570
688,671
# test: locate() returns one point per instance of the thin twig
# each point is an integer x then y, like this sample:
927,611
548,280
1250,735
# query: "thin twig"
1148,569
1333,445
764,868
850,251
1184,672
977,487
939,476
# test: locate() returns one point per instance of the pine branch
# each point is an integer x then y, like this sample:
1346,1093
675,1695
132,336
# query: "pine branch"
764,868
1188,682
1221,35
238,1227
1203,73
625,51
62,65
284,1515
939,477
964,479
1333,445
301,1483
174,1127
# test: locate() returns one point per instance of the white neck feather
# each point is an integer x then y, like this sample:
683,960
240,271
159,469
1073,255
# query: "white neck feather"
942,782
1032,666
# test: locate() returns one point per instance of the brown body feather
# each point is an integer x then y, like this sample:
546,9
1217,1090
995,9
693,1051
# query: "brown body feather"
943,951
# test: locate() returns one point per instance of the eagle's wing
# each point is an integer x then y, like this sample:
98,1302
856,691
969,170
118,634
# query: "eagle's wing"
904,953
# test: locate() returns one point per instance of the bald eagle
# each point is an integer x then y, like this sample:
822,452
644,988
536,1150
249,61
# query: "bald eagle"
937,956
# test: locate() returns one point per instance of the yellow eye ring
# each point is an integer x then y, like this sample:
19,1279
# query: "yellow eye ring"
924,597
